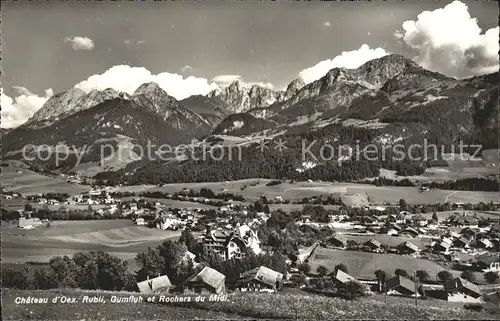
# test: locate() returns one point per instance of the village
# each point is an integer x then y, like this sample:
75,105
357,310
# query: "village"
465,240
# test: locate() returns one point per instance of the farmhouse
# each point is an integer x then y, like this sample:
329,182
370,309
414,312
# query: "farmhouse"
373,245
342,278
460,290
338,241
28,223
260,279
419,220
396,218
461,242
408,248
207,281
468,233
399,285
441,247
488,262
155,285
409,232
484,243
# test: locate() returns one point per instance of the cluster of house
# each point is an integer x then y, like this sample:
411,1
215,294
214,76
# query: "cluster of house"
455,290
339,241
28,223
231,243
165,219
10,195
228,244
73,179
211,281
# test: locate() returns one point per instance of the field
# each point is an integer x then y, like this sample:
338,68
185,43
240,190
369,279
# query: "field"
172,203
363,264
28,182
18,203
118,237
295,305
361,194
389,240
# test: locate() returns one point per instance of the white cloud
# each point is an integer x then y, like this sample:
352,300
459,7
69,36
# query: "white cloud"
131,42
226,80
16,111
80,43
449,40
327,24
127,79
186,68
347,59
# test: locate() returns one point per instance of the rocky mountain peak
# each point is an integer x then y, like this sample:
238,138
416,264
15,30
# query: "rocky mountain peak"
147,88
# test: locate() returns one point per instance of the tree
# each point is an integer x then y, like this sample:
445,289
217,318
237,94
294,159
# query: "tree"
381,278
491,277
112,272
401,272
28,207
422,275
172,254
381,275
444,276
44,278
322,270
298,279
130,283
304,268
65,270
342,267
151,264
352,290
14,278
278,262
188,239
435,217
468,275
403,206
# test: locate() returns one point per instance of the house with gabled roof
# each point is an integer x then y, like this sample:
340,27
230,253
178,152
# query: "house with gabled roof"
396,218
337,240
419,220
461,242
488,262
483,243
207,280
373,244
155,285
400,285
341,278
408,248
441,247
461,290
409,231
260,279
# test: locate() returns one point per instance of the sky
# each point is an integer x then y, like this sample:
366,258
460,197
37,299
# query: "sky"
194,47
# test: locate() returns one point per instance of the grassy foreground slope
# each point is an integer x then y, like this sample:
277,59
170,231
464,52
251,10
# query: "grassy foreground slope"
237,306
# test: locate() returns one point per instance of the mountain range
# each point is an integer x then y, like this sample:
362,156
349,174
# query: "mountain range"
390,99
